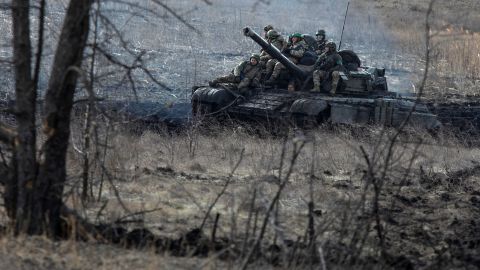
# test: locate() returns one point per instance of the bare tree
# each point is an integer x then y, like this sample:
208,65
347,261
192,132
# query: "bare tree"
35,177
34,188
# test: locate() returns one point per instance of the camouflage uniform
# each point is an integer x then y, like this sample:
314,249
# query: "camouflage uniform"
321,42
245,75
278,42
294,52
267,28
329,63
320,47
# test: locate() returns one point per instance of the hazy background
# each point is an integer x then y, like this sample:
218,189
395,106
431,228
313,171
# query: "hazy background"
181,57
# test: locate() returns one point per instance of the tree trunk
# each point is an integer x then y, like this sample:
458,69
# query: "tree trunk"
19,186
33,191
56,124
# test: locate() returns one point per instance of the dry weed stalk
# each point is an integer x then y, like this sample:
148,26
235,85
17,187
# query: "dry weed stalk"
224,188
380,162
298,144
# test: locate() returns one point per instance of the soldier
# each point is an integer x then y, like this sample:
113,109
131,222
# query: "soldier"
321,41
274,38
328,64
246,74
294,52
267,28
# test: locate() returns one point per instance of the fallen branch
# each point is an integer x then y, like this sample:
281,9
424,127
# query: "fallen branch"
124,218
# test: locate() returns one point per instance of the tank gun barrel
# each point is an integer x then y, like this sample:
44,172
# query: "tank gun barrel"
274,52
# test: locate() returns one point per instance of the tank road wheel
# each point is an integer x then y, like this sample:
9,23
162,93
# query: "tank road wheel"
309,112
310,121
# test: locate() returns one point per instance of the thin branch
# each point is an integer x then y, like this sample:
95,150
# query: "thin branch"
41,31
225,186
124,218
298,146
176,15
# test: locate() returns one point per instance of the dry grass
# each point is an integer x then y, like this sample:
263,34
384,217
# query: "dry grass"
158,171
41,253
455,41
180,175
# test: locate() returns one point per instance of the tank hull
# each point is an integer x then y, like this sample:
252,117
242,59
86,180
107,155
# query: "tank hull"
300,107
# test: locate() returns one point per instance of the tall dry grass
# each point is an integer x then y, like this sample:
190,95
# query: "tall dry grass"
455,43
156,170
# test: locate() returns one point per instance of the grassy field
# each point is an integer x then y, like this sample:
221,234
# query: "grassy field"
428,203
455,43
424,197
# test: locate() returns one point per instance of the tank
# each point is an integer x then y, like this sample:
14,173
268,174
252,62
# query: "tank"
362,97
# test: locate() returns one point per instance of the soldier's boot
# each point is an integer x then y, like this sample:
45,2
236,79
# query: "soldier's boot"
316,82
335,80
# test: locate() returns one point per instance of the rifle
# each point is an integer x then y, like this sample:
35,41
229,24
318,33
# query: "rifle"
344,20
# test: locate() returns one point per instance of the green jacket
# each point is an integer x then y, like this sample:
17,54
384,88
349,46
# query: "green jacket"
298,49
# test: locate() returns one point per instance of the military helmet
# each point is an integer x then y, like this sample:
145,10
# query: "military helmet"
297,35
320,32
271,34
268,27
256,56
331,45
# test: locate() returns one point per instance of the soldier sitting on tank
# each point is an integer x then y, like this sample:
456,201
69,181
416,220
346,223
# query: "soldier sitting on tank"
328,65
321,41
293,51
267,28
275,39
245,75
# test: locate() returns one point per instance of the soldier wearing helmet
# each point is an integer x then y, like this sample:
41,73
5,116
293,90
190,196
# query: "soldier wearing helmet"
293,51
328,66
267,28
275,39
245,75
321,41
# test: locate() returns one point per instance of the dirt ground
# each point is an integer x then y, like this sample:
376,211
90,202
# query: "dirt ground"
429,212
429,204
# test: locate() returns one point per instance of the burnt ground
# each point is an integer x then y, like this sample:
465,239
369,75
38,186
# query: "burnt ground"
429,215
430,221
